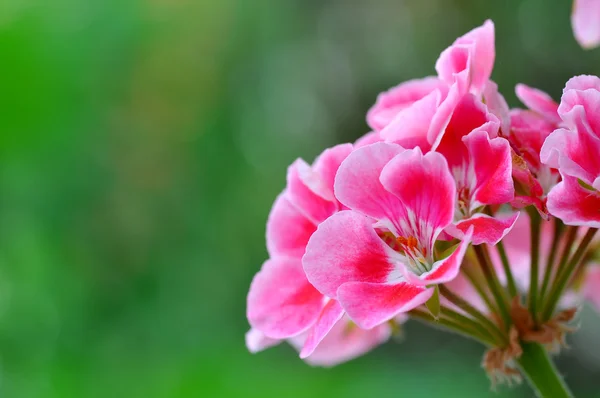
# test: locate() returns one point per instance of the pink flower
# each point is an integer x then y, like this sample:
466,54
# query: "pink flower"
463,67
282,304
479,160
397,196
585,19
573,150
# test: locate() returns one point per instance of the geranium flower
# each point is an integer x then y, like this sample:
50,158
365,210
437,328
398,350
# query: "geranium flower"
573,150
392,193
282,304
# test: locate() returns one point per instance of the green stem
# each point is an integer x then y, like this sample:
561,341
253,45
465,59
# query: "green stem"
493,283
510,280
452,326
469,324
488,325
565,275
558,229
541,373
535,221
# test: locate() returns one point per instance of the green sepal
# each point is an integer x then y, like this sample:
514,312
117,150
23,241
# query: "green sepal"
433,304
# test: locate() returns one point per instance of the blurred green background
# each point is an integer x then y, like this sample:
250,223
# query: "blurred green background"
142,143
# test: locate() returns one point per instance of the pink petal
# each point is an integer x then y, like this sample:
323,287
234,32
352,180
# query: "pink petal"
288,230
583,82
357,182
497,105
371,304
328,163
586,22
573,154
391,102
480,59
469,114
426,188
579,110
309,193
346,248
411,126
256,341
347,341
368,139
573,204
538,101
486,229
444,115
281,302
492,162
331,313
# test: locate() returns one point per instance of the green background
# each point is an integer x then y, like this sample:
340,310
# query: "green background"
142,143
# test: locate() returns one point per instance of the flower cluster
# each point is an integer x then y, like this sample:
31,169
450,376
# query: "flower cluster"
454,210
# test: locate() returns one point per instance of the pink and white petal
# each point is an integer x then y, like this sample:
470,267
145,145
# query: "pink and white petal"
573,154
583,82
368,139
486,229
281,301
483,57
480,59
347,341
288,230
410,127
538,101
309,193
346,248
585,20
256,341
327,165
591,287
497,105
357,183
393,101
453,66
492,163
425,186
371,304
444,115
573,204
579,111
469,114
331,313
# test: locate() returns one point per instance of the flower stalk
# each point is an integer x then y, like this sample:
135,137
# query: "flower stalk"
539,370
535,258
564,275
